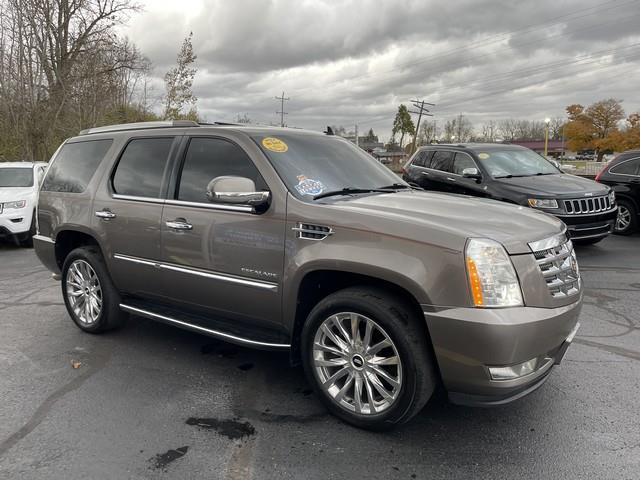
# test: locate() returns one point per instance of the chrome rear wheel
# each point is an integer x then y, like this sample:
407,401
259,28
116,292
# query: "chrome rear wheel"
84,292
357,363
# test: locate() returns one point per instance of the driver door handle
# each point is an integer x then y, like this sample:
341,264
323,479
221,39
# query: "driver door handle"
105,214
451,179
179,224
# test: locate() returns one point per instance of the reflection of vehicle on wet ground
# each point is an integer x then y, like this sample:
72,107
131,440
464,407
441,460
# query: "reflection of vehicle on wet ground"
517,175
623,175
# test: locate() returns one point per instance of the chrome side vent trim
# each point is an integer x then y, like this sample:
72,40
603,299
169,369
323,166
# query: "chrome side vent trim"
310,231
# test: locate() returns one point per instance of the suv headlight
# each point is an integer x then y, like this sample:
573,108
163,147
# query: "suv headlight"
612,197
492,278
15,205
543,203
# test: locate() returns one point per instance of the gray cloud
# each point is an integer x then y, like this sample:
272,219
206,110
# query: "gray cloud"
354,61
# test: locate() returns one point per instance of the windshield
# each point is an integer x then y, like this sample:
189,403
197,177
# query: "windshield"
516,163
311,165
16,177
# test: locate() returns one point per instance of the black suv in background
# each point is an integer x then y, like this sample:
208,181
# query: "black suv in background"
517,175
622,174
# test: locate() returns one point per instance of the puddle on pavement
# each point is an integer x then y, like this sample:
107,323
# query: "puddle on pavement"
233,429
162,460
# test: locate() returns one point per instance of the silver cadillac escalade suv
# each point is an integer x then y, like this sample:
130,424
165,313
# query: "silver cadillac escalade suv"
294,240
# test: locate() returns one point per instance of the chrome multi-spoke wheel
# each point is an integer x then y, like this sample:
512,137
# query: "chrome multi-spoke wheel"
623,221
357,363
84,292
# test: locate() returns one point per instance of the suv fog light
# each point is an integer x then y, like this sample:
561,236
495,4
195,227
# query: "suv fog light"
514,371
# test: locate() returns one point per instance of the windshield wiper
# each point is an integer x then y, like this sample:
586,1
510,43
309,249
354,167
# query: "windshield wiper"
400,186
349,191
513,176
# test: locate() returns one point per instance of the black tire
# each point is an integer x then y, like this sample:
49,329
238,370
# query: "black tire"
26,240
110,316
408,333
633,218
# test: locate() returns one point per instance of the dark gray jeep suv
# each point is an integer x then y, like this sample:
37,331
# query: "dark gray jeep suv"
286,239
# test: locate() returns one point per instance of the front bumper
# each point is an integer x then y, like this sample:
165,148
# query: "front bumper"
582,227
15,222
467,341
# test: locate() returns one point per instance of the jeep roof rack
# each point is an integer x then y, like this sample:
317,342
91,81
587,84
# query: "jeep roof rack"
140,126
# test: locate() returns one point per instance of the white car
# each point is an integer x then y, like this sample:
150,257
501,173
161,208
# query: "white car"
19,184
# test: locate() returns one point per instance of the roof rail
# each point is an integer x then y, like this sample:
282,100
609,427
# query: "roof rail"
140,126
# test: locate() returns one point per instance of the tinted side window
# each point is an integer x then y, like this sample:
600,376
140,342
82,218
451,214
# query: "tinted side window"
208,158
442,161
75,165
629,167
141,167
462,161
419,160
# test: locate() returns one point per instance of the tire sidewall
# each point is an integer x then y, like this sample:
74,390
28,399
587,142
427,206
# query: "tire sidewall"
94,259
386,319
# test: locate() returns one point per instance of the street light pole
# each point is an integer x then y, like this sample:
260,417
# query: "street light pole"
546,136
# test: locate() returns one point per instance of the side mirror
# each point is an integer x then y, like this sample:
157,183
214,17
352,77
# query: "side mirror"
236,191
471,173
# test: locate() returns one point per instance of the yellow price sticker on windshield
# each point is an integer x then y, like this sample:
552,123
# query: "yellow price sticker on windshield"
483,156
274,144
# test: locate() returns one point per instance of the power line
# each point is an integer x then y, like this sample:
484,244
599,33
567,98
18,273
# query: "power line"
282,112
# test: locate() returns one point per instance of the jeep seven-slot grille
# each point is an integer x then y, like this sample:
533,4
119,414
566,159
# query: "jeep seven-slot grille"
312,232
560,270
578,206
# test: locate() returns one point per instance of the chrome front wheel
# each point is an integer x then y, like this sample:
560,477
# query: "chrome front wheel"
357,363
84,292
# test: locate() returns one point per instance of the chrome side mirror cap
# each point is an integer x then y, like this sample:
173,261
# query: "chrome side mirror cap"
471,173
236,191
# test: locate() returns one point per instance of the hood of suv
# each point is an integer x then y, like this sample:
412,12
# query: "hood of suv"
512,225
560,185
12,194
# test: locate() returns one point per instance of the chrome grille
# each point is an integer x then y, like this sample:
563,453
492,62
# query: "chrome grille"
577,206
559,268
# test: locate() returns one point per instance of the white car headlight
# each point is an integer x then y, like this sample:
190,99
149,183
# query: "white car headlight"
492,278
15,205
612,197
543,203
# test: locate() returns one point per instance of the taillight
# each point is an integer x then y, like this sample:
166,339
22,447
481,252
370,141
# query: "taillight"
600,173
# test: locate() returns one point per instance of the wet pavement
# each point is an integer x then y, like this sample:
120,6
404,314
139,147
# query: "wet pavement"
152,401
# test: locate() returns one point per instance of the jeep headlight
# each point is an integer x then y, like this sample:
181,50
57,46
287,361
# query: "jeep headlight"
492,278
612,198
543,203
15,205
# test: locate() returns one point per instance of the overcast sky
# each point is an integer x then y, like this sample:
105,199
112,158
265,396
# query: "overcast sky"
343,62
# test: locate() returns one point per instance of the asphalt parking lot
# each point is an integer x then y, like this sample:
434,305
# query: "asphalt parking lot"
152,401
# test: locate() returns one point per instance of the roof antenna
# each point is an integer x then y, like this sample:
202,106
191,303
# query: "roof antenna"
329,130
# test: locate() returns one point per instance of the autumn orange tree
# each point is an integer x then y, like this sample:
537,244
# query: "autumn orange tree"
597,127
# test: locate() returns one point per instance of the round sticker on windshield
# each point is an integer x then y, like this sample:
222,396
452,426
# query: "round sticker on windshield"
483,156
309,186
274,144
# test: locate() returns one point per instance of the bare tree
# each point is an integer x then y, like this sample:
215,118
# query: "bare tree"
179,83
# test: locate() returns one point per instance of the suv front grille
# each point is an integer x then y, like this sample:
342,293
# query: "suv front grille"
579,206
559,268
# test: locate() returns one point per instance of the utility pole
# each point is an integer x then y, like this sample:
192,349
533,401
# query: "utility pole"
282,112
420,105
357,145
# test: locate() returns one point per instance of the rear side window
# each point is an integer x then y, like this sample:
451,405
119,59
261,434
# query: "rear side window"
629,167
74,166
442,161
462,161
142,167
208,158
422,159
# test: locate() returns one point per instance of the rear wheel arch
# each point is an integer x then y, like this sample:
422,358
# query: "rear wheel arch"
68,240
